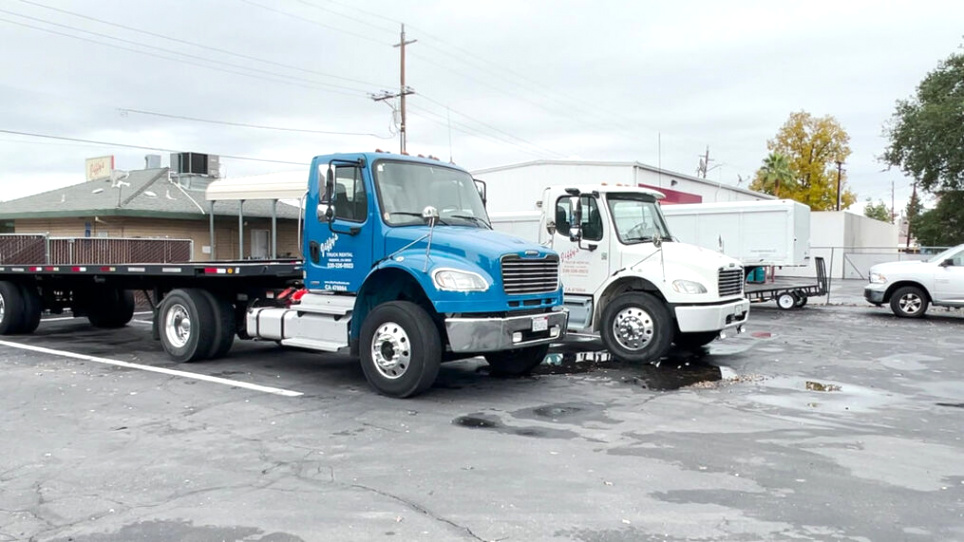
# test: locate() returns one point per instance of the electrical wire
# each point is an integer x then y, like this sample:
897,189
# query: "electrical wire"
143,147
314,22
124,110
195,44
276,77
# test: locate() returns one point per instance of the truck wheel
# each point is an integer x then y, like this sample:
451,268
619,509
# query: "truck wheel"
695,340
187,325
32,309
11,308
517,362
400,349
636,327
109,308
786,301
225,325
801,300
909,302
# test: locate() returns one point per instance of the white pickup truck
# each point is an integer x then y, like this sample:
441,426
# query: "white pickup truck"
911,286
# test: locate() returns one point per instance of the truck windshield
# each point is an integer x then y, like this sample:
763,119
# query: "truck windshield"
407,188
637,218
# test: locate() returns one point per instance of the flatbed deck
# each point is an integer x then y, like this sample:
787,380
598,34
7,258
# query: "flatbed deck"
790,293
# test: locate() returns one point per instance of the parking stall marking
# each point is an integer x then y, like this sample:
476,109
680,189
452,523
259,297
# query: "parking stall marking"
162,370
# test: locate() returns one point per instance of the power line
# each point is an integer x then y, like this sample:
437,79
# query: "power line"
466,129
312,21
217,64
142,147
245,125
195,44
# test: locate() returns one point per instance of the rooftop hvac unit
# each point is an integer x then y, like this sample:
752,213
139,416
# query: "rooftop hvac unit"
194,163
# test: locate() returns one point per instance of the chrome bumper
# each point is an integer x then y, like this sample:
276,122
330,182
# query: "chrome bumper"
695,318
496,334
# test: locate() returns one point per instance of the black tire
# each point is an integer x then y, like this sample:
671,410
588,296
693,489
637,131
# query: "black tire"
11,308
695,340
516,362
32,309
109,308
193,340
403,337
654,328
225,325
909,302
801,300
786,300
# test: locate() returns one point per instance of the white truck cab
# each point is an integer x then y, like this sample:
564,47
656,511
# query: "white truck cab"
910,286
625,277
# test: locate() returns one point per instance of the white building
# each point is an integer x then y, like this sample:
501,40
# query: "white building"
517,187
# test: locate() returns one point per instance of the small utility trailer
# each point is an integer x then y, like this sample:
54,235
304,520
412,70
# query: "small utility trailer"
789,293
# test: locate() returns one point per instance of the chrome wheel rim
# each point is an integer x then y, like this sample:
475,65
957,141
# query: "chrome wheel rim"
391,350
3,308
910,303
633,328
786,301
177,325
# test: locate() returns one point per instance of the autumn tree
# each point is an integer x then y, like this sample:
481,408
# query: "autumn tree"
926,131
812,146
877,211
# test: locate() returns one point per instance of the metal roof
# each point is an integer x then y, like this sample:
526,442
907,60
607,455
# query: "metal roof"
143,193
290,185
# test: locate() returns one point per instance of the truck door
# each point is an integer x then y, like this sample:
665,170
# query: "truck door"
584,264
949,279
339,232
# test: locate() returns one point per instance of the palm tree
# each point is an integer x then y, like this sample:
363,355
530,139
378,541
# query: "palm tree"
776,174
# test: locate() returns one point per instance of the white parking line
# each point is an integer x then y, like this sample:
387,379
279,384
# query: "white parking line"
61,318
171,372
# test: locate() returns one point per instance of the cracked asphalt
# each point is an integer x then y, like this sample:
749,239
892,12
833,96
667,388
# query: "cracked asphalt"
727,445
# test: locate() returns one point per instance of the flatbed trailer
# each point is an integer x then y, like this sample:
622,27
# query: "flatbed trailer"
103,294
789,293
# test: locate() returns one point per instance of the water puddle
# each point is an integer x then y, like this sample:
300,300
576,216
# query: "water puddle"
952,405
491,422
680,369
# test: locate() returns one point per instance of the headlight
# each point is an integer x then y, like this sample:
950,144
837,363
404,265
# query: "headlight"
688,287
453,280
877,278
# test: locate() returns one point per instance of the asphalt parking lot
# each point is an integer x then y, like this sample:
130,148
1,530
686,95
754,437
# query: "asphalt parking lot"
834,422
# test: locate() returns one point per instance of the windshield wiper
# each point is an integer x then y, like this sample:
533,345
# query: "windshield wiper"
475,219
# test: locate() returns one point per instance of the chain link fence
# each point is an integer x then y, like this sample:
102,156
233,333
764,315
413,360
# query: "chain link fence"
17,249
855,262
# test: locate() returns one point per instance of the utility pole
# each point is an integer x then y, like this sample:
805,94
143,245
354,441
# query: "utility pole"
911,207
893,211
704,164
403,91
839,171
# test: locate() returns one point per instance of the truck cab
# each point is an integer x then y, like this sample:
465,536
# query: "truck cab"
403,269
629,281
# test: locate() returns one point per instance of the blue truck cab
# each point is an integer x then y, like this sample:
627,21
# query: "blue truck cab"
403,269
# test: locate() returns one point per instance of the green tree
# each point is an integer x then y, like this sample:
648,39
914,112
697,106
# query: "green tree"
812,146
877,211
943,225
926,131
775,177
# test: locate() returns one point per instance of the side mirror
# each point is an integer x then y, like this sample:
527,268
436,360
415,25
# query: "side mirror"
551,227
328,214
483,189
575,226
947,263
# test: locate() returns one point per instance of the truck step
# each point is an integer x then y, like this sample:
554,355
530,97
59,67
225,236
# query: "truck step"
313,344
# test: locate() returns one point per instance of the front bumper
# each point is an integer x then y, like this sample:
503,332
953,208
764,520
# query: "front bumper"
874,293
696,318
496,334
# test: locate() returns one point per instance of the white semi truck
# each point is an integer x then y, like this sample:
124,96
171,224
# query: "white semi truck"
624,276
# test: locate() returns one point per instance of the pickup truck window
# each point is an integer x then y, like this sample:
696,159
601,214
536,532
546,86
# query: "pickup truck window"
406,188
637,218
956,254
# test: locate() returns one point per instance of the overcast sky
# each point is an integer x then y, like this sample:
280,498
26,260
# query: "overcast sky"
497,82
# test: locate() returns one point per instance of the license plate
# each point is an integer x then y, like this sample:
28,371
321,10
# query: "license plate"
540,323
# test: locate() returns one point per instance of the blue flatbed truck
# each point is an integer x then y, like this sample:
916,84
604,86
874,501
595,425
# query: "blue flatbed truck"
401,269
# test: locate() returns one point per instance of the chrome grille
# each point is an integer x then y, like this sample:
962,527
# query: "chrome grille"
530,275
731,281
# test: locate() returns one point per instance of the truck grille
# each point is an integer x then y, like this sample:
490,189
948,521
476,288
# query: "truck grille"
731,281
530,275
